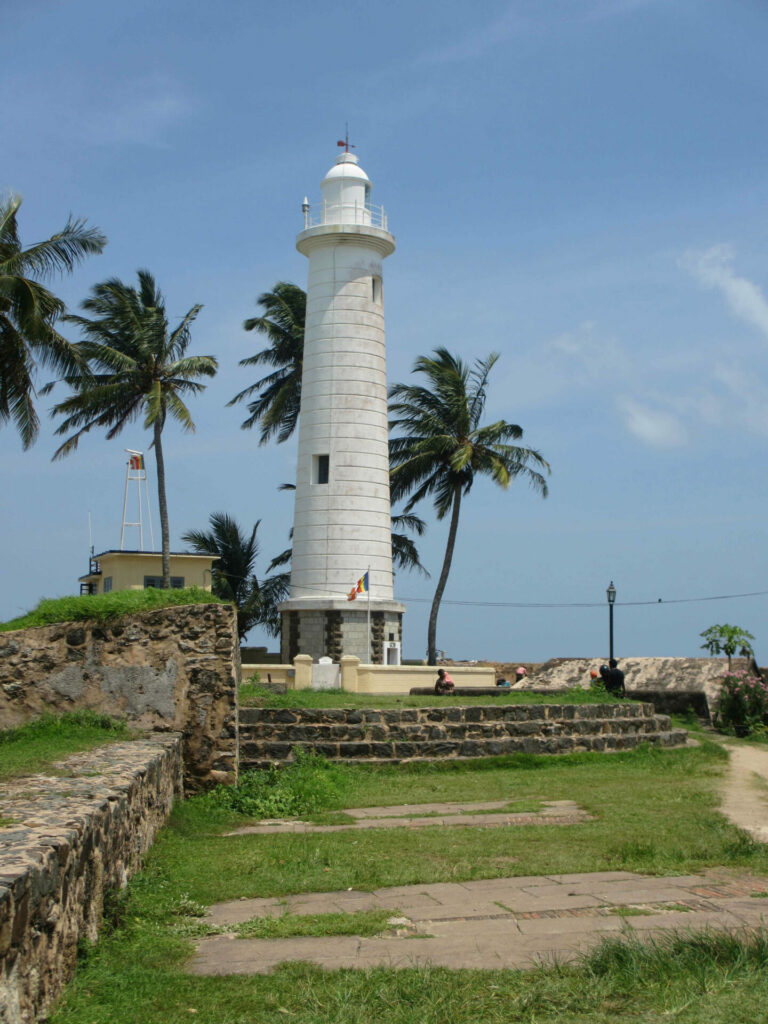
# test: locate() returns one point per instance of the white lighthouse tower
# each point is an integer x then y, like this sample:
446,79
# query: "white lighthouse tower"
342,527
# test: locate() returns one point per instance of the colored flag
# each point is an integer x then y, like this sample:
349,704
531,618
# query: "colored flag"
137,462
361,587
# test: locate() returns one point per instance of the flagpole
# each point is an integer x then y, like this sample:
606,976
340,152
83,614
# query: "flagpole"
368,574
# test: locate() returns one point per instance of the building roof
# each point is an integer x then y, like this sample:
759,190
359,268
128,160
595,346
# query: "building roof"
157,554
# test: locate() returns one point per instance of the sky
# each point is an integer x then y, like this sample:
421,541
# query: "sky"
578,185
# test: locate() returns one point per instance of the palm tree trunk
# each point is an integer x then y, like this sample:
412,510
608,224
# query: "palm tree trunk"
432,630
163,504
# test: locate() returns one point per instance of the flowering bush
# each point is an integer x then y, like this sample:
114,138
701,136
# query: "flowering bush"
743,705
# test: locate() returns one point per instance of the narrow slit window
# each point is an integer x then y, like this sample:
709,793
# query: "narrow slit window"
321,469
376,289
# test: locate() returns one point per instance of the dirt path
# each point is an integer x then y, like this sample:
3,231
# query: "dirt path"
745,796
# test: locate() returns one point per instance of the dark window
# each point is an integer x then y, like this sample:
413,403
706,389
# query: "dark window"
156,582
322,469
107,584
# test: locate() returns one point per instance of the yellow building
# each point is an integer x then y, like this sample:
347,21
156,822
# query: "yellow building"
140,570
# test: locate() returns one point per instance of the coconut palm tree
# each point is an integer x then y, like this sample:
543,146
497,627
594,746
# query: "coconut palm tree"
234,577
29,311
278,395
136,365
443,447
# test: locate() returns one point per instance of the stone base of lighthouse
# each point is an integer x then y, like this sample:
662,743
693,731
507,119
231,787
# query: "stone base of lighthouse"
332,628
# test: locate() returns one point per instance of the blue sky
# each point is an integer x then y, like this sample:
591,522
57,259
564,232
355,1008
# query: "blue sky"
579,185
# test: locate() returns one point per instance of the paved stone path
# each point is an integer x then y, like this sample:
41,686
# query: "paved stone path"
504,922
494,923
554,812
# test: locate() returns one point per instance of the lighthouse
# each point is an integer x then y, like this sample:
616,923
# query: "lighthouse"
342,544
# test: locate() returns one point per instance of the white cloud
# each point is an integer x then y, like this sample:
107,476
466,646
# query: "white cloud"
713,268
143,112
746,398
593,357
529,17
656,427
135,111
667,392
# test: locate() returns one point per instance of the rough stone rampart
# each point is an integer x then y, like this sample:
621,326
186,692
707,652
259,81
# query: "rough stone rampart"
65,841
173,669
270,735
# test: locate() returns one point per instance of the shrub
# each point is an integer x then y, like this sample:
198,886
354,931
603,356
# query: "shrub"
311,783
743,705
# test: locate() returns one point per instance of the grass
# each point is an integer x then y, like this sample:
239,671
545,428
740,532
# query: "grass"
106,607
655,811
253,695
363,923
32,747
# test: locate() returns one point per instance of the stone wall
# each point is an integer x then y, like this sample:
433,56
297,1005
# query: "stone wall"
173,669
338,631
269,735
65,842
670,678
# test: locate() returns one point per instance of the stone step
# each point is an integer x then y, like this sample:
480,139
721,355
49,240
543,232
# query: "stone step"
262,755
448,713
427,732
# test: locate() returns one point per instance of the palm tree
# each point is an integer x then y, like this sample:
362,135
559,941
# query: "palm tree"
28,312
278,395
234,578
444,447
136,366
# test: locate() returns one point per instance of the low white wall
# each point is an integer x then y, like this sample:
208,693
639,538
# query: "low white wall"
400,678
358,678
270,674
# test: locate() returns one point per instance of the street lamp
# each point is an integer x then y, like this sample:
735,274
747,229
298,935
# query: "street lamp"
611,595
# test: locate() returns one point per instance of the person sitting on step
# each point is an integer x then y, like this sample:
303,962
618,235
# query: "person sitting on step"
443,683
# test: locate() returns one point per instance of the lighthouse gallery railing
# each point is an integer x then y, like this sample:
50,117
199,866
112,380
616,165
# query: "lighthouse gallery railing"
345,213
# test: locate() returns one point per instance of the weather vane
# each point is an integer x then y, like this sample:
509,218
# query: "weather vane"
345,141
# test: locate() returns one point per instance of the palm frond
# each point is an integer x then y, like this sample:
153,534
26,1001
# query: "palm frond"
278,395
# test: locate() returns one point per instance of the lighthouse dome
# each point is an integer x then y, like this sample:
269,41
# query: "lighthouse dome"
347,166
346,191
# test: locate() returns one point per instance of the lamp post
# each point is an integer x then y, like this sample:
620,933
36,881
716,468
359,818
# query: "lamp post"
611,595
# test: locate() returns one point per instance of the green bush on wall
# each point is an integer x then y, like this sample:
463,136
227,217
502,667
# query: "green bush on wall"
107,607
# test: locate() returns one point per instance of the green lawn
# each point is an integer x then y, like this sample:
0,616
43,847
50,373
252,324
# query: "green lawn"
253,695
655,812
33,747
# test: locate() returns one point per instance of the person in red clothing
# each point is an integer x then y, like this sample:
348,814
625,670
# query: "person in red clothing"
443,683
